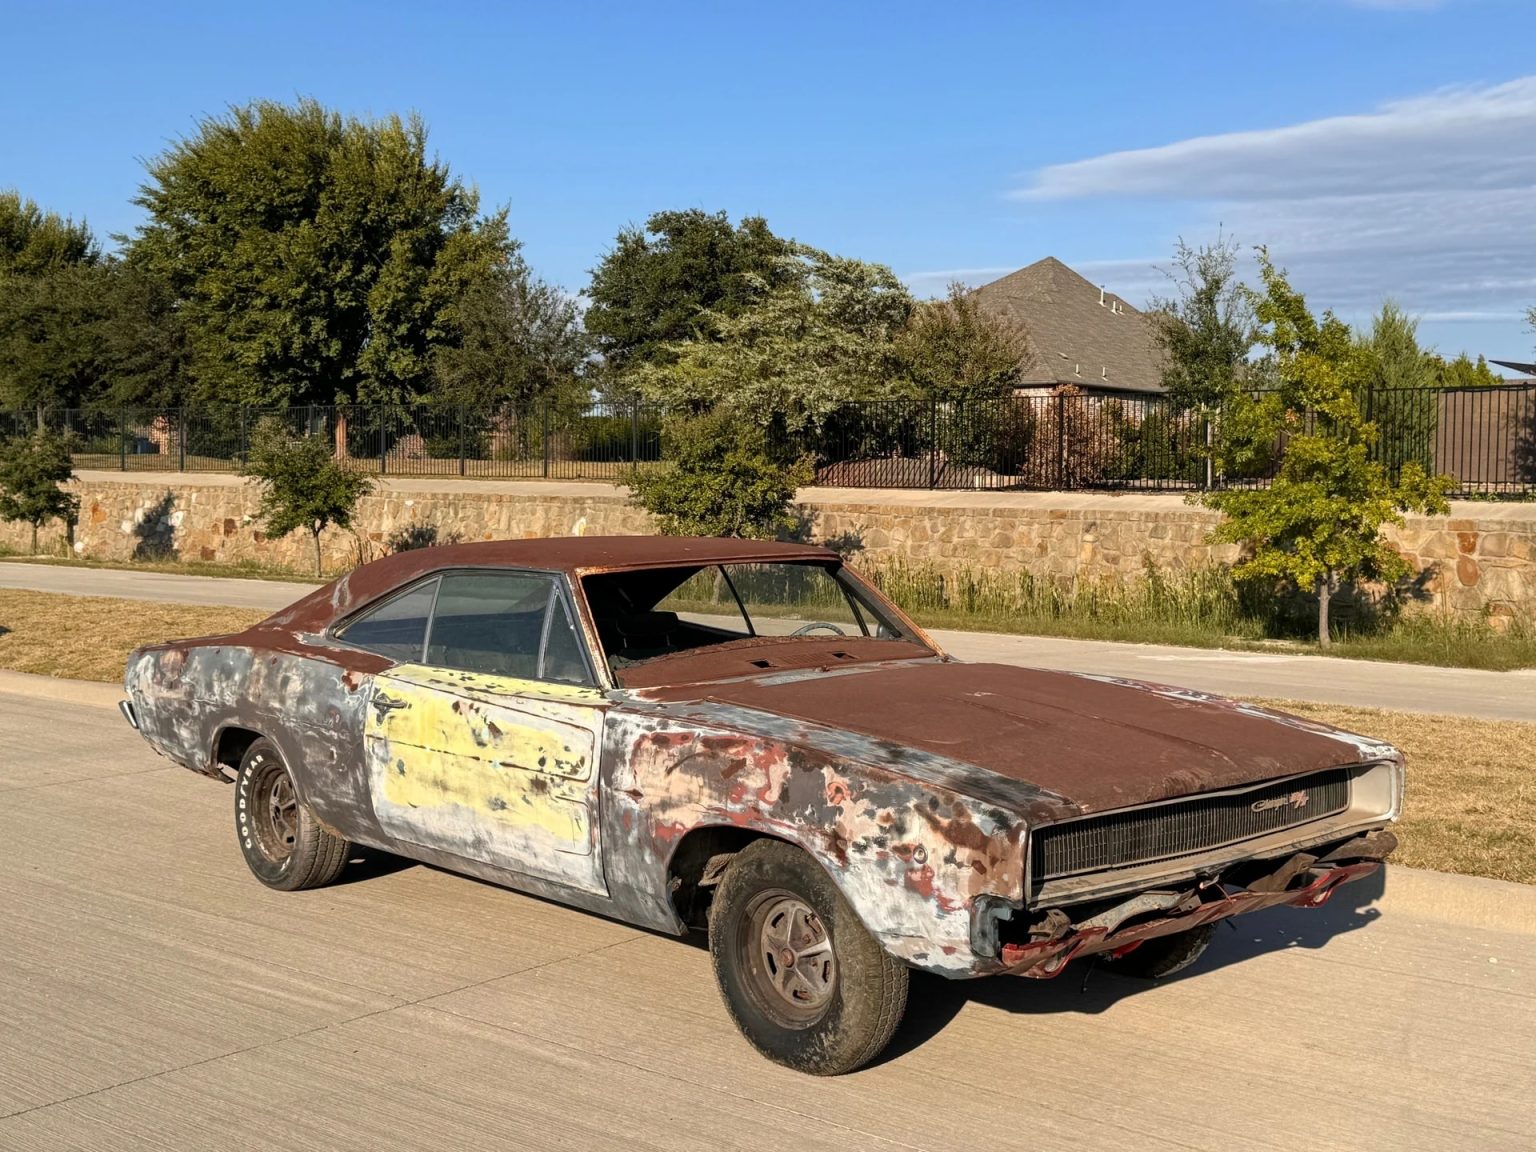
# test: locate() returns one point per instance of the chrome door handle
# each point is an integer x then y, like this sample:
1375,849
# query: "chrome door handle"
383,704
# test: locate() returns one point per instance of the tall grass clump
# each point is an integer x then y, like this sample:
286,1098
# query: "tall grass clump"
1197,605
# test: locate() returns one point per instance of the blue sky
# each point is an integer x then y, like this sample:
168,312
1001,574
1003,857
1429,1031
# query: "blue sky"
1379,147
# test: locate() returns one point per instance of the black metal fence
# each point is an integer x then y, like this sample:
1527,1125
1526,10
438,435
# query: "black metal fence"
1484,438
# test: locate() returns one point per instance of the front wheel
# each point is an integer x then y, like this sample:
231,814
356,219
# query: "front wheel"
282,842
804,981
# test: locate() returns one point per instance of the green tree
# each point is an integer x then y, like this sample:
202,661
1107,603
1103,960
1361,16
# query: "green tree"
53,352
145,341
819,334
1207,329
52,303
722,479
1463,372
313,255
33,241
520,339
1319,522
32,468
675,279
953,350
303,485
1400,382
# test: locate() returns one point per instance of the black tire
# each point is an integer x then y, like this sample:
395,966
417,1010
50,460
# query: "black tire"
848,995
281,840
1164,955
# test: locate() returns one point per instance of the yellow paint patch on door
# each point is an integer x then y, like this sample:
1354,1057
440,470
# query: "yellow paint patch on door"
462,795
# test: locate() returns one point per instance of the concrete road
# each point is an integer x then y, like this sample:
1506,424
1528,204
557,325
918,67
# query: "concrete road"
1371,684
155,998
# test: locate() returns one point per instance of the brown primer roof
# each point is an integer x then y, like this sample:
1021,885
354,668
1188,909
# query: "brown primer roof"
570,554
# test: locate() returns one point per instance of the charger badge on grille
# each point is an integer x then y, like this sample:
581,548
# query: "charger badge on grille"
1297,800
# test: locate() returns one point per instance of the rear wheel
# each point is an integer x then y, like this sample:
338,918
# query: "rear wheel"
283,843
1163,955
804,981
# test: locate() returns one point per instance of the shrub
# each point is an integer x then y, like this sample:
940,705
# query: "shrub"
31,470
722,480
303,484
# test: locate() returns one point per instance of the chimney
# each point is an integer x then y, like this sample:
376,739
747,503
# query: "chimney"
1101,295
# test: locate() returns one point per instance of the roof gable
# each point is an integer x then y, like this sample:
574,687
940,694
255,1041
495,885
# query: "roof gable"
1077,332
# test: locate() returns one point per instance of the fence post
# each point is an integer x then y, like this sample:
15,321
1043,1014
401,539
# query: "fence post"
383,447
461,440
244,449
122,439
181,440
933,442
634,431
546,438
1210,459
1061,442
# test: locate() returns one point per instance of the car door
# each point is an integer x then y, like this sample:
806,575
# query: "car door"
486,746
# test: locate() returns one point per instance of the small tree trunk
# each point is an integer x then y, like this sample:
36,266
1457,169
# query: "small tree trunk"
315,532
1324,593
34,537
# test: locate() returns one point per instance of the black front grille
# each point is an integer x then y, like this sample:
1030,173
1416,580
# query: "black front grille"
1178,829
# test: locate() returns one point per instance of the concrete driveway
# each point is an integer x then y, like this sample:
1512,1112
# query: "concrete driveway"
1370,684
156,998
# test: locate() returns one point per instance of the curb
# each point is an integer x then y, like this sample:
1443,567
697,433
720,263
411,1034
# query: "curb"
1462,901
91,692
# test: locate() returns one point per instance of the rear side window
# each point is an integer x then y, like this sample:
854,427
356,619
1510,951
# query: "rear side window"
505,624
490,622
398,627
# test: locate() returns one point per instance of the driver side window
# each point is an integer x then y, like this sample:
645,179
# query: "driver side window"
499,623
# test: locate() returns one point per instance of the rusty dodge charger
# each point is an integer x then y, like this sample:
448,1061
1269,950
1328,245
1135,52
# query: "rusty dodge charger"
747,738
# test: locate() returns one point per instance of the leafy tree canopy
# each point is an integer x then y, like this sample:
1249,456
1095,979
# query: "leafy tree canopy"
52,350
1319,522
32,468
303,485
675,279
816,335
953,350
1207,329
314,255
33,241
520,339
1463,372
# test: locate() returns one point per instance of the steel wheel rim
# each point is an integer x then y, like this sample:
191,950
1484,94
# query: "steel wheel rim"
275,815
791,967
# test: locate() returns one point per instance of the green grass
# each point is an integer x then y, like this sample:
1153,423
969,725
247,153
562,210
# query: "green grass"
1201,608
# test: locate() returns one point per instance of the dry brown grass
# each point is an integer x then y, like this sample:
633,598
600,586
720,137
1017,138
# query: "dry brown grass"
89,637
1471,804
1471,792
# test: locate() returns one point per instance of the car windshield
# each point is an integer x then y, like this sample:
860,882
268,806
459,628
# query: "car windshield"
642,615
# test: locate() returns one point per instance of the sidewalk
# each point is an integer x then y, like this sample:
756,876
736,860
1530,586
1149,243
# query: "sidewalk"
1362,683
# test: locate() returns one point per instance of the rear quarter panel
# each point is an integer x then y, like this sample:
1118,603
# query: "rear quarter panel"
311,706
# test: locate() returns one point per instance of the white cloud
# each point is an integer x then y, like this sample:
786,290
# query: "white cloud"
1429,200
1472,137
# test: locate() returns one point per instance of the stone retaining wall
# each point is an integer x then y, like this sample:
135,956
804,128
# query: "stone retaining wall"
1482,558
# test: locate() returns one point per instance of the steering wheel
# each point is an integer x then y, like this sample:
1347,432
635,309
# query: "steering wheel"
807,629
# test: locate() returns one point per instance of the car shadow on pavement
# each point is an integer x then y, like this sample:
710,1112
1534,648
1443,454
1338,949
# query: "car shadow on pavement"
371,863
1089,988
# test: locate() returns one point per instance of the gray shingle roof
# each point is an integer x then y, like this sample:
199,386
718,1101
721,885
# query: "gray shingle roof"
1073,338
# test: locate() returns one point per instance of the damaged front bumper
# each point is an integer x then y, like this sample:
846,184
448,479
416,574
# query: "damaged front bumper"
1302,880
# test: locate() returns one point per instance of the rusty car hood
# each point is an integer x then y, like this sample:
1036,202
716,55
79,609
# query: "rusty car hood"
1097,742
